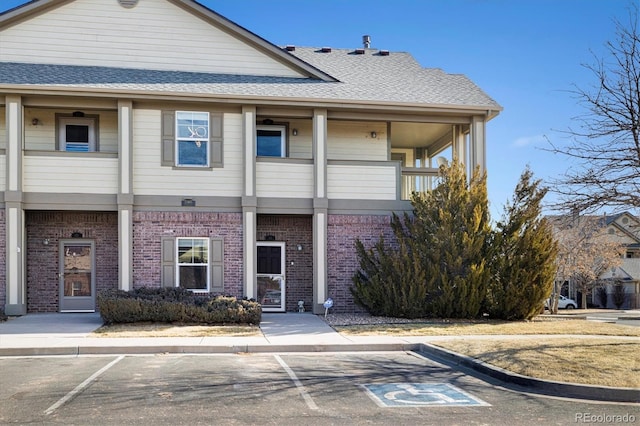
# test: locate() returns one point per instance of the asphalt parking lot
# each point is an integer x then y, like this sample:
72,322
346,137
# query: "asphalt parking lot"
329,388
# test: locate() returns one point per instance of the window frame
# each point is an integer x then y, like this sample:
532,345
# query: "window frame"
62,121
179,139
283,128
207,263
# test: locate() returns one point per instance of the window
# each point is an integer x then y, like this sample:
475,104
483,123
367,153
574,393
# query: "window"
192,138
188,145
77,134
271,141
193,264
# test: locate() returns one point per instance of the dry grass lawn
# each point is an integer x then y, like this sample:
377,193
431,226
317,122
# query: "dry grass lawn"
458,328
604,361
175,330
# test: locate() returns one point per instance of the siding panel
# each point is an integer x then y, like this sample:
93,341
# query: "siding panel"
150,178
155,33
70,175
353,141
284,180
361,182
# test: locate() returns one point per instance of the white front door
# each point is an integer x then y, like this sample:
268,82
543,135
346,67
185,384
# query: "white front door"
271,277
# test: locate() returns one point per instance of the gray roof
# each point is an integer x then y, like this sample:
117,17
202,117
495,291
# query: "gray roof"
368,78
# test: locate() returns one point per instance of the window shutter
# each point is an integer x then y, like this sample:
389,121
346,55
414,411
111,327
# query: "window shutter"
168,267
215,138
168,138
217,265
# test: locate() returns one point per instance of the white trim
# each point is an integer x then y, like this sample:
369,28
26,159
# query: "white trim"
15,149
197,139
207,264
13,254
283,139
281,276
90,122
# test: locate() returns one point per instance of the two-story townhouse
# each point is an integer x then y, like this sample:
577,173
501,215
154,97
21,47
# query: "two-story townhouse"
156,143
619,231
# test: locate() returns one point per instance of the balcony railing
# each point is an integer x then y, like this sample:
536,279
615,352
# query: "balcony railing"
417,179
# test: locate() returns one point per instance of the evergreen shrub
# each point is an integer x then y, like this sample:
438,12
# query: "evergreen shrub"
169,305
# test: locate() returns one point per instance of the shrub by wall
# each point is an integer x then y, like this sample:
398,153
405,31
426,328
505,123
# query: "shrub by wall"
169,305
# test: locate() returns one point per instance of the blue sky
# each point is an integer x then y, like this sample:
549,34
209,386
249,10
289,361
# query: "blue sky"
526,54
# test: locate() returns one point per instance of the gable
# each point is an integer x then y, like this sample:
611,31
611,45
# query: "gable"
155,34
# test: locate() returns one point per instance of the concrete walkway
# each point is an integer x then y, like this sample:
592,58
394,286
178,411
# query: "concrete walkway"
71,334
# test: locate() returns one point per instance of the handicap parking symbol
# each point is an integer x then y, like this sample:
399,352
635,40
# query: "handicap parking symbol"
420,395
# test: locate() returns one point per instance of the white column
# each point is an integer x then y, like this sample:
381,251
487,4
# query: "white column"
478,147
125,195
16,290
249,202
320,210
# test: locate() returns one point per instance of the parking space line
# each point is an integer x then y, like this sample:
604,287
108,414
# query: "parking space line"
81,386
305,395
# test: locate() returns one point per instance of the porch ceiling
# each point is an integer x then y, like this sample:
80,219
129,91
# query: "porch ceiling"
417,135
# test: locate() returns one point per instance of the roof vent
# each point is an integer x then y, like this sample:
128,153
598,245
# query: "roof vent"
359,51
383,53
128,4
326,50
290,48
366,41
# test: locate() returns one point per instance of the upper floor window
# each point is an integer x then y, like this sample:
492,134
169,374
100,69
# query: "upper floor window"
77,134
192,138
271,141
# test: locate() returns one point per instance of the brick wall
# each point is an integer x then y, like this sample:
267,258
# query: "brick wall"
150,227
342,232
293,231
42,260
3,261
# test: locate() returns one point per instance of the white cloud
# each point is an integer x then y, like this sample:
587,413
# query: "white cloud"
529,140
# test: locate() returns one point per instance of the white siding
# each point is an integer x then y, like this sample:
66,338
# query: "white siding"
278,179
150,178
43,135
353,141
361,182
300,146
3,128
153,35
70,174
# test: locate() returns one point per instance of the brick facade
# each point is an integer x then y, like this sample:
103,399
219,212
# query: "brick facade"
150,227
342,260
43,259
293,231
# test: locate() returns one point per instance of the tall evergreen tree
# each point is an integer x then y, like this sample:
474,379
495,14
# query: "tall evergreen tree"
523,255
455,216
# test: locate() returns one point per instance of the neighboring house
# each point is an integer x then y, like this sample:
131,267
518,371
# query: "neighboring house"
625,229
621,229
156,143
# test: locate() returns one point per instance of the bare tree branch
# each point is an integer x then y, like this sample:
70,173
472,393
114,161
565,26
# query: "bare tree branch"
604,149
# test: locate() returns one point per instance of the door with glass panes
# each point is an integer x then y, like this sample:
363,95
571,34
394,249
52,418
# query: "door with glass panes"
271,276
76,276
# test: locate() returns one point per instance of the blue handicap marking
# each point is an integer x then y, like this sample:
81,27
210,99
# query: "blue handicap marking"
420,394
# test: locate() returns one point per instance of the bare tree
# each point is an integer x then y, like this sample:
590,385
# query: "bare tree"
605,147
585,252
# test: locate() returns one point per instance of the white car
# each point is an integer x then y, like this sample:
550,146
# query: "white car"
563,303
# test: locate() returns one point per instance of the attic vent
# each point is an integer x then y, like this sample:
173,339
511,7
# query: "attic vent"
128,4
359,51
326,50
383,53
290,48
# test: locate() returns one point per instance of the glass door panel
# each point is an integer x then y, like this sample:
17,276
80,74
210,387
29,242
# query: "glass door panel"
270,277
77,286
